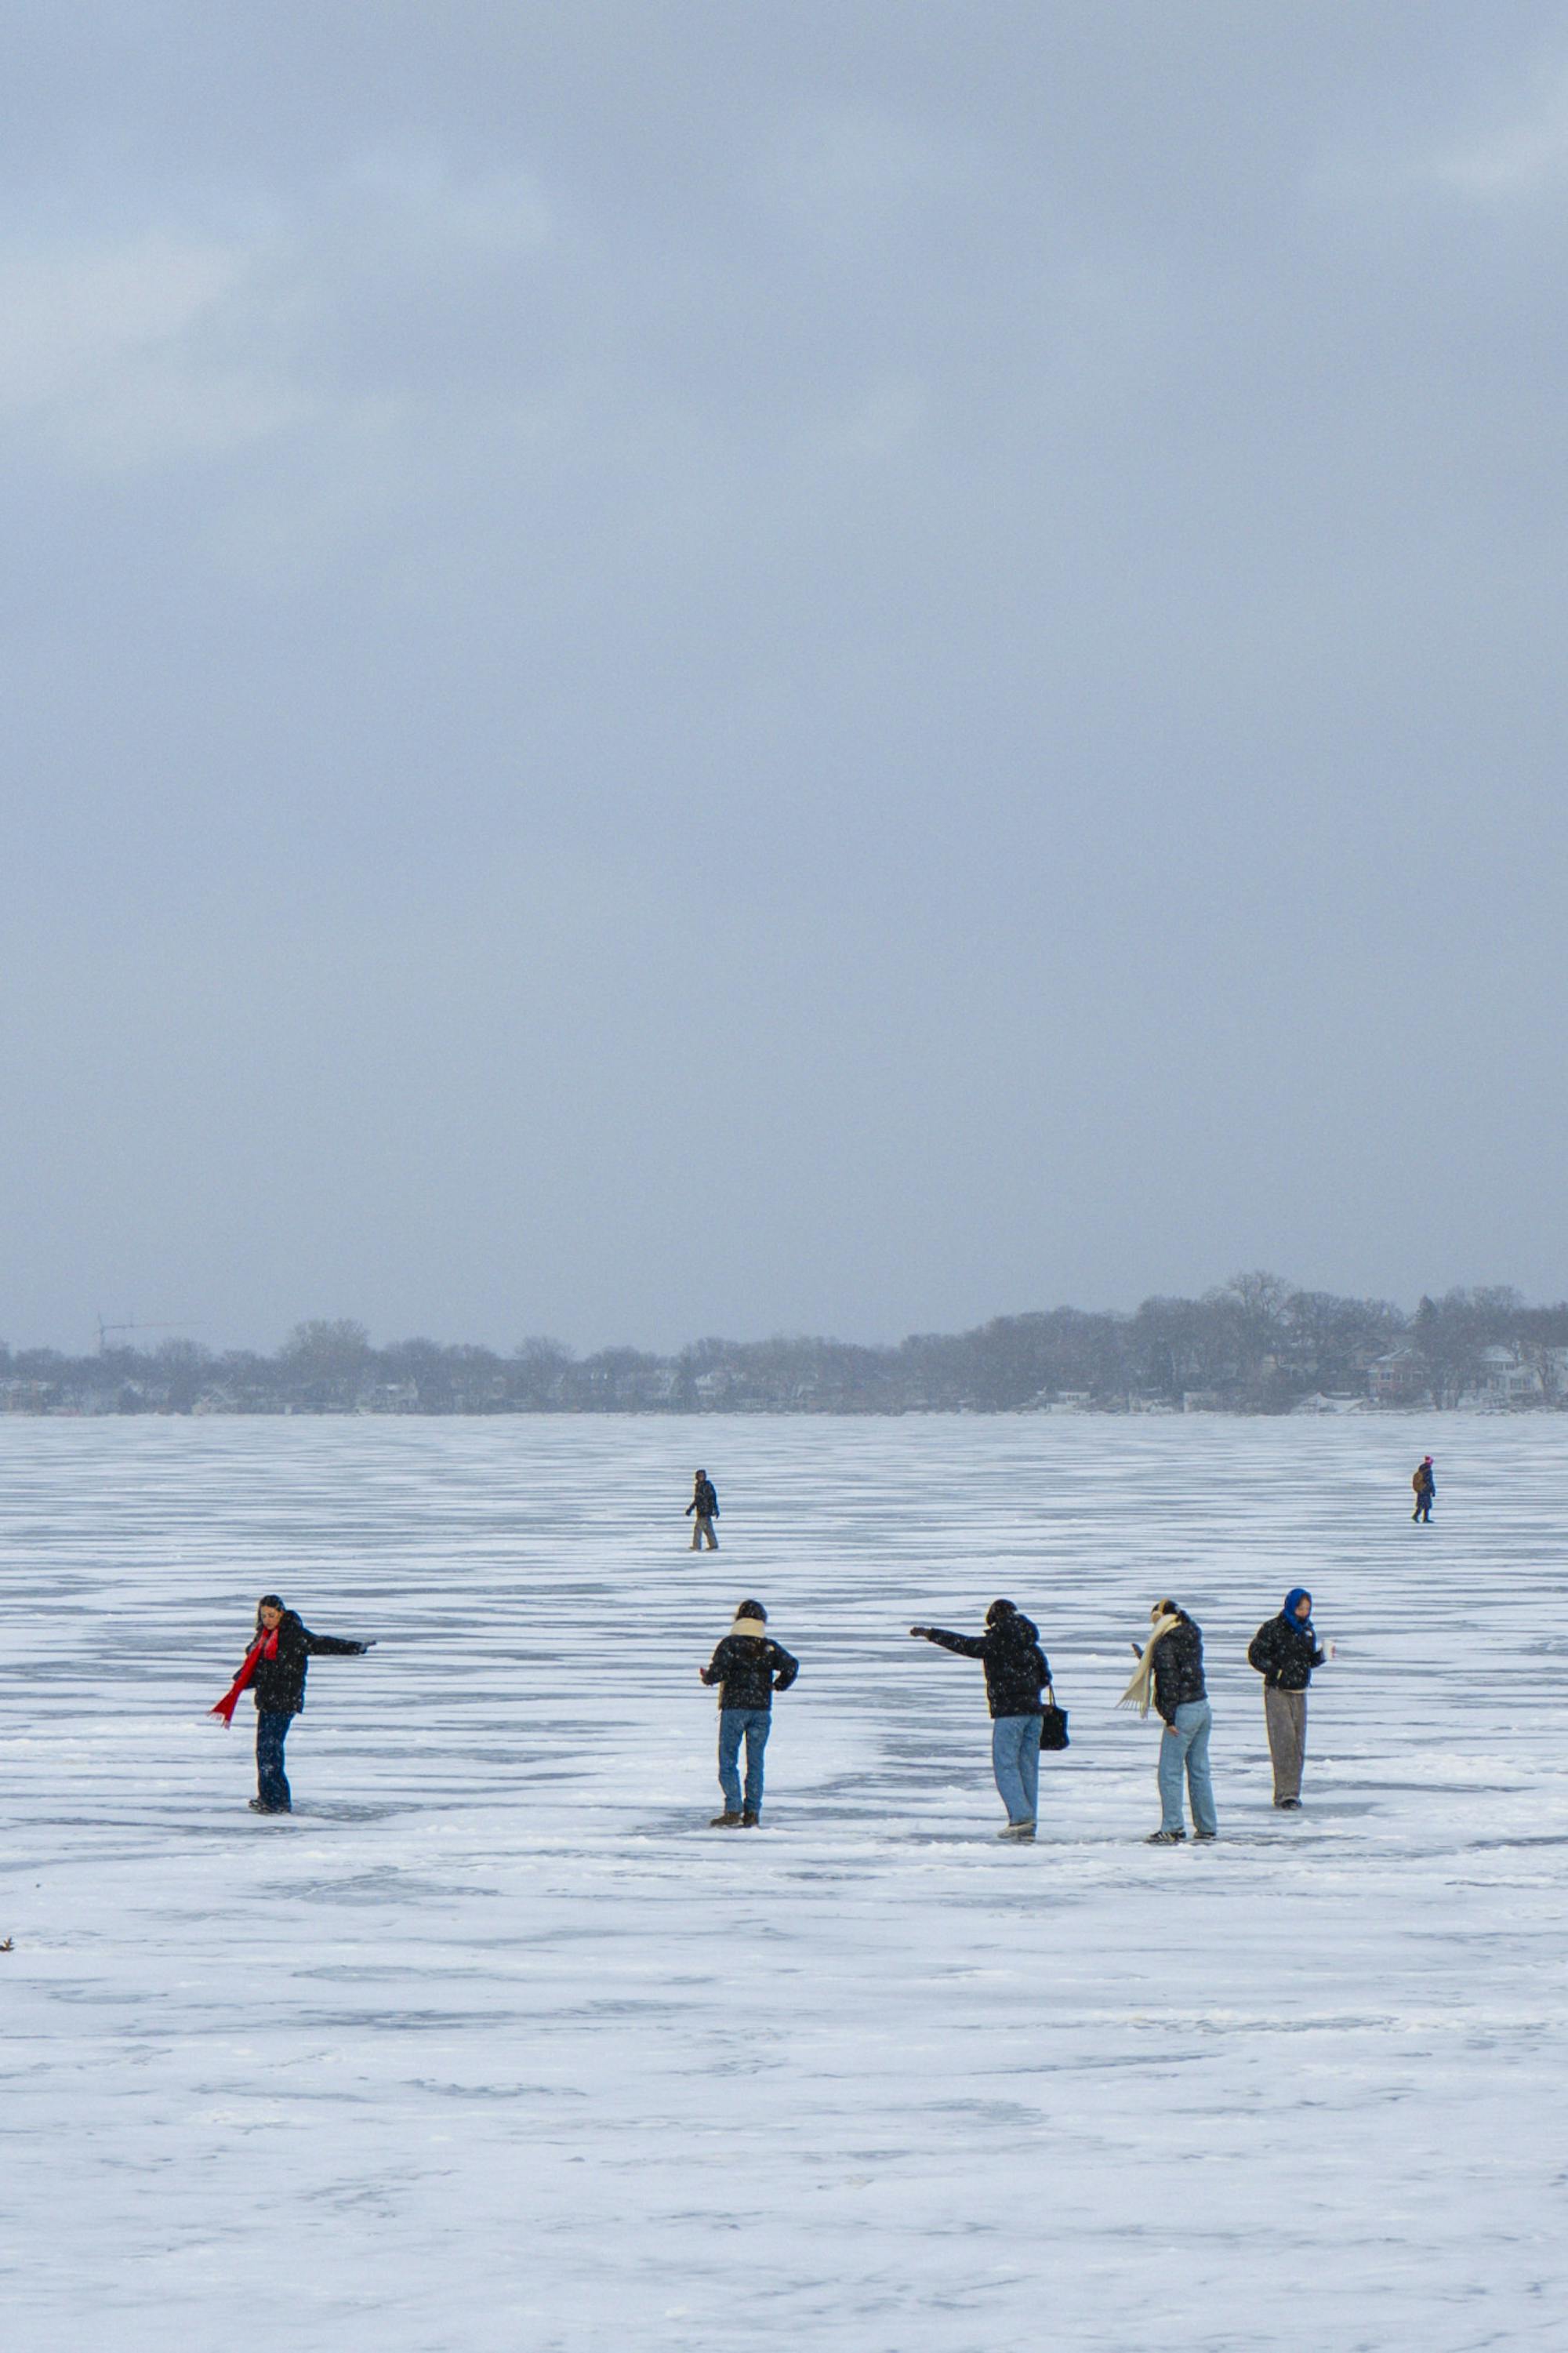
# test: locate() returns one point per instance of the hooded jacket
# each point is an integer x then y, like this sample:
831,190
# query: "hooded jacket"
1179,1668
1284,1653
751,1667
279,1683
1015,1666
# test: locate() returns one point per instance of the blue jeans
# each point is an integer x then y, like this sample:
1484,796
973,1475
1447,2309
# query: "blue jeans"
272,1731
1187,1746
1015,1761
752,1725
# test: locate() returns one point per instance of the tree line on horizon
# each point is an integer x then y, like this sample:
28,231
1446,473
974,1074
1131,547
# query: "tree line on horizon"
1254,1344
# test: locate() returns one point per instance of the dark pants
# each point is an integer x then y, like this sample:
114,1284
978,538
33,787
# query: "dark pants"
1423,1504
271,1781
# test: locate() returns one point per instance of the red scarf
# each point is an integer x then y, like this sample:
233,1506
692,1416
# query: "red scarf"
264,1647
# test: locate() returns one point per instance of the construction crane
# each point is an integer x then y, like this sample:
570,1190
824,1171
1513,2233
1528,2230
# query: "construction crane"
105,1329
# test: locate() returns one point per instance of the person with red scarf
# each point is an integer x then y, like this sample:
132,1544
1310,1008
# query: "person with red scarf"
274,1673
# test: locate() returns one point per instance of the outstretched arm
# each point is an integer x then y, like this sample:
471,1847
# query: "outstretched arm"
967,1646
335,1646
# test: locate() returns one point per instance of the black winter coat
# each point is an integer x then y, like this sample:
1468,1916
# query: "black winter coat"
1179,1668
704,1500
752,1668
280,1683
1015,1666
1283,1654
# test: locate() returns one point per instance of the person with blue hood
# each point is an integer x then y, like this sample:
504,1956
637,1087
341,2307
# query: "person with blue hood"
1284,1652
1017,1670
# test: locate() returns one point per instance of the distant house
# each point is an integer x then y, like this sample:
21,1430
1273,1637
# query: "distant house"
1507,1379
1397,1378
389,1397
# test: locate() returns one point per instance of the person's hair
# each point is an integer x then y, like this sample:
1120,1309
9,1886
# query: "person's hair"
270,1602
701,1474
752,1610
1167,1609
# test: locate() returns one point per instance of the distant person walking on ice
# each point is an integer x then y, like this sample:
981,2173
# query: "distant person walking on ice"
1424,1483
1015,1671
705,1503
274,1671
748,1668
1284,1652
1170,1676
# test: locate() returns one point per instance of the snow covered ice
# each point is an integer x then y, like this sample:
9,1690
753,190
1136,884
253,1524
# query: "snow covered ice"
493,2047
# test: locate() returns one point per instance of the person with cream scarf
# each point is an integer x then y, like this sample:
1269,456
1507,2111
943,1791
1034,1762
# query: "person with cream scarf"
747,1668
1170,1677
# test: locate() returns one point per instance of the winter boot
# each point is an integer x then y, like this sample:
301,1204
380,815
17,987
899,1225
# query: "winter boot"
1017,1831
1167,1838
725,1822
750,1822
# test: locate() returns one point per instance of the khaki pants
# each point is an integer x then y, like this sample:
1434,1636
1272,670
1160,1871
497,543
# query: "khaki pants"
1285,1714
702,1525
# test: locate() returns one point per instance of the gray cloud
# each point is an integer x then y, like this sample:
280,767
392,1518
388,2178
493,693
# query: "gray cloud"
694,668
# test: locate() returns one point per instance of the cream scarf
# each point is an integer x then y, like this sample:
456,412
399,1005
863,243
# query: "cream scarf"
1141,1690
751,1626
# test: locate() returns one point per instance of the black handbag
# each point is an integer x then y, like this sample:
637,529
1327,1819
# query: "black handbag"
1052,1723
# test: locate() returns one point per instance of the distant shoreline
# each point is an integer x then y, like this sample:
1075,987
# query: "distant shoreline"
1253,1345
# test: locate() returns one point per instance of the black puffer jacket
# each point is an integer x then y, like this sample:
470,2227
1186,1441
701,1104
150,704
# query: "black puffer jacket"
1015,1666
704,1500
280,1683
1284,1654
751,1667
1179,1668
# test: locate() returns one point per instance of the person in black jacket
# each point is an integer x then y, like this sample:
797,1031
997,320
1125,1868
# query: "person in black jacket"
1171,1677
705,1504
748,1668
1017,1670
1284,1652
277,1680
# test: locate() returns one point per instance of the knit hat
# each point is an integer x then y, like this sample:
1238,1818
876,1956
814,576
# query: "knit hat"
751,1617
998,1610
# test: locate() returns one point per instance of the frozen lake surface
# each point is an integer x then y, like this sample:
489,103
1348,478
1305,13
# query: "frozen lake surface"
493,2047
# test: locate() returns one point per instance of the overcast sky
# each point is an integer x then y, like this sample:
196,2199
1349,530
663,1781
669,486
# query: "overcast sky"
676,668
